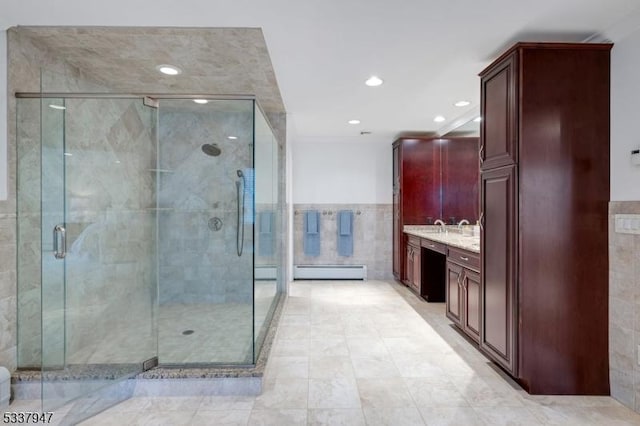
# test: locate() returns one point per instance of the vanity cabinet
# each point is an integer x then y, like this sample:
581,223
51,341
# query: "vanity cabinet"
544,216
463,291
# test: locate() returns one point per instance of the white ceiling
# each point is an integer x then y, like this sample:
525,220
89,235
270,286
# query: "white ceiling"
428,52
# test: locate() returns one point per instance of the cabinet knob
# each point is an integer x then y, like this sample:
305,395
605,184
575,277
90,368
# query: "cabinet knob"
464,258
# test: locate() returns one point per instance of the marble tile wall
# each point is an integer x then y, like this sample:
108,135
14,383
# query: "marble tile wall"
624,309
197,264
25,60
372,237
8,311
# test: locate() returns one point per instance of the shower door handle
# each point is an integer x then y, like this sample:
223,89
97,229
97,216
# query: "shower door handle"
59,241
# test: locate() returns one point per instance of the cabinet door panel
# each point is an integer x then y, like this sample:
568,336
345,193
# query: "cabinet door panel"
454,292
417,269
498,333
499,116
397,239
397,247
408,269
472,304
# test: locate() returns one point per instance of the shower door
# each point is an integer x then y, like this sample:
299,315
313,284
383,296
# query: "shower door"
206,187
98,224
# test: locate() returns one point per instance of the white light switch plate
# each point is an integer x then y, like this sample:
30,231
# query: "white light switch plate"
627,223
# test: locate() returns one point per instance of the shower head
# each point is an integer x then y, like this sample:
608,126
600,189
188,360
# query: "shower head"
239,173
211,149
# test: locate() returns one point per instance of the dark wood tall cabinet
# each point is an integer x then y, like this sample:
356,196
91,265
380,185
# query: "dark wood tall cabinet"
544,199
416,191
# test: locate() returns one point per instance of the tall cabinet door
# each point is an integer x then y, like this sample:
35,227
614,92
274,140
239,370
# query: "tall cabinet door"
498,331
471,304
498,129
454,292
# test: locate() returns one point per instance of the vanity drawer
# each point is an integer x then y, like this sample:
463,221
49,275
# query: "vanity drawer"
464,258
434,245
413,240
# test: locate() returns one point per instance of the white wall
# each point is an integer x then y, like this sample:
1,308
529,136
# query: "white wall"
342,173
625,117
3,115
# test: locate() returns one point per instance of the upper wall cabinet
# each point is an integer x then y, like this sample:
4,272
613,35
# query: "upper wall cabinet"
498,126
460,179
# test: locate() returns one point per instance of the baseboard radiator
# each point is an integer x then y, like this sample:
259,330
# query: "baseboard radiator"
330,272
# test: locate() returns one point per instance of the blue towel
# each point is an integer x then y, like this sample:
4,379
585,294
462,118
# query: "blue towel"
265,239
345,217
266,218
248,188
311,230
312,217
345,234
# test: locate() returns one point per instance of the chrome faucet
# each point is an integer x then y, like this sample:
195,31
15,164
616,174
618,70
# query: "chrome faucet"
463,222
443,227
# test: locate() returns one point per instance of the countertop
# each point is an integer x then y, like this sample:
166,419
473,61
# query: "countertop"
452,237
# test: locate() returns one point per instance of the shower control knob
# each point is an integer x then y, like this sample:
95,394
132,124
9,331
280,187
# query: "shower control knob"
215,224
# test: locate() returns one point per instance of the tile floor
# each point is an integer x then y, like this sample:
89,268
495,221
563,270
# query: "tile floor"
356,353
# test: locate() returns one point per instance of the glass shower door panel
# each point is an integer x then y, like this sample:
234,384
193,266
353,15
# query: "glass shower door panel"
205,223
52,116
267,230
99,222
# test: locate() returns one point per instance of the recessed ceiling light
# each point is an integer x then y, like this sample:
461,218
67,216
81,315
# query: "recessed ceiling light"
477,119
68,154
201,101
373,81
233,138
462,103
354,121
168,69
54,106
439,119
117,161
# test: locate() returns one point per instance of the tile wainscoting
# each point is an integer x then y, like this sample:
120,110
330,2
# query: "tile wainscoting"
624,308
371,237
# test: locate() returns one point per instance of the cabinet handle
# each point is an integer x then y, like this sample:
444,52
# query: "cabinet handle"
464,258
480,154
481,221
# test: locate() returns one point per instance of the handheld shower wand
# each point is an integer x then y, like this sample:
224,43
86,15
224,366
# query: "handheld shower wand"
240,213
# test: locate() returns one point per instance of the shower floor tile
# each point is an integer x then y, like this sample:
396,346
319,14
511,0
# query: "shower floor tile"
206,333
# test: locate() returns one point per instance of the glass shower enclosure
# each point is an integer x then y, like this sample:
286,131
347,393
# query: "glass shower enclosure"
149,232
